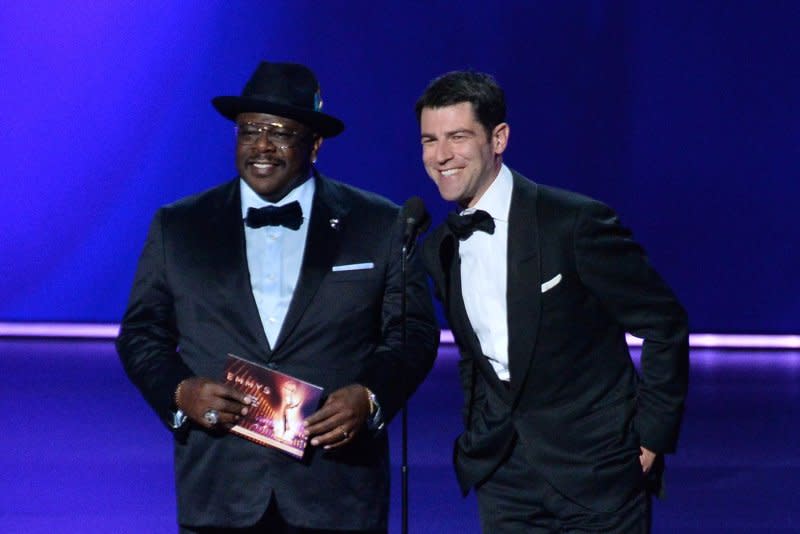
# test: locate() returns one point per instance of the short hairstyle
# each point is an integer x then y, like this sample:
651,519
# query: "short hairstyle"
478,88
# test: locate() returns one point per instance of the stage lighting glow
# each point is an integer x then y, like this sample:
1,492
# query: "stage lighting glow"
110,330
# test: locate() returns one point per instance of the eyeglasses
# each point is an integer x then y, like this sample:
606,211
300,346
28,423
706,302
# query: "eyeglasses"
249,133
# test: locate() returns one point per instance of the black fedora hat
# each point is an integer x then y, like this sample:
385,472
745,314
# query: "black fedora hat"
285,89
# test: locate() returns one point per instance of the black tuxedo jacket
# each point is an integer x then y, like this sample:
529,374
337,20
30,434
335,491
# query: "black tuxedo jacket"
576,283
191,304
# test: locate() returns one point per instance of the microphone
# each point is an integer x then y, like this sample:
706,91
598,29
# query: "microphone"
415,221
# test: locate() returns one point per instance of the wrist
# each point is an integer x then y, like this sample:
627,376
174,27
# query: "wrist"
372,400
176,398
179,417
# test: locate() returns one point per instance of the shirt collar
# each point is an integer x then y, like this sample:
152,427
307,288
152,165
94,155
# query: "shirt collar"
304,194
496,201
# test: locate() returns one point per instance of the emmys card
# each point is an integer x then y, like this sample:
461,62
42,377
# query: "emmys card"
282,403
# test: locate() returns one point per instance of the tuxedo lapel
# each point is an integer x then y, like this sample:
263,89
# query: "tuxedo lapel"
322,245
447,256
523,292
458,311
230,260
451,266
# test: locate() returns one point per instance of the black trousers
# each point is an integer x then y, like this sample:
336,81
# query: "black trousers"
515,499
272,523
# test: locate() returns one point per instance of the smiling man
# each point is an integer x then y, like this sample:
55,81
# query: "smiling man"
296,272
539,286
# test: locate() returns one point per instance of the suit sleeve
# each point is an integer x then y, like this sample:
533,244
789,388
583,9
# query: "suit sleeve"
614,268
147,341
393,374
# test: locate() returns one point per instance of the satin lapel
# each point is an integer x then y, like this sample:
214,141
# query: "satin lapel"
322,245
227,244
447,256
458,312
523,290
451,267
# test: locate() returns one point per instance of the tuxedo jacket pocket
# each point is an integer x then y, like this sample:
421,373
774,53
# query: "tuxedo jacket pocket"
346,272
550,284
365,266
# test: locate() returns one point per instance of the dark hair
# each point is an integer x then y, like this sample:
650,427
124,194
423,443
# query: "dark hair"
477,88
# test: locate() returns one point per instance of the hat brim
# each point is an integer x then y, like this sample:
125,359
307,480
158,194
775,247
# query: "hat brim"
322,123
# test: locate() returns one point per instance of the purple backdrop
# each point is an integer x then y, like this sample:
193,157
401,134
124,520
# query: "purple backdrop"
684,117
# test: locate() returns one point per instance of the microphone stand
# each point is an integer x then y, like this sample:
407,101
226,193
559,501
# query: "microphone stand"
404,437
417,221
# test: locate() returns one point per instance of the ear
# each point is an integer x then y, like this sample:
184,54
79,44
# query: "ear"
315,148
500,138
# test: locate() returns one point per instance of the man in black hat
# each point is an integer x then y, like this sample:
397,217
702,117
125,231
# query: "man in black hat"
295,272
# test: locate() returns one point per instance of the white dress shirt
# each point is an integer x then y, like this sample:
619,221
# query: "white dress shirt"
274,256
484,269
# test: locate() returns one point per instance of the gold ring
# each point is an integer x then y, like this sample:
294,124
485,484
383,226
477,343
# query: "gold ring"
345,433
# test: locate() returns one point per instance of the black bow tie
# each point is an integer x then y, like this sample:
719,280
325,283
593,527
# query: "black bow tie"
462,226
289,215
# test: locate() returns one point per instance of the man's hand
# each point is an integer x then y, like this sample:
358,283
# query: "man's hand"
647,457
341,417
198,395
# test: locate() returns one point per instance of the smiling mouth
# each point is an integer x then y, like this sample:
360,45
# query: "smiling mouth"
449,172
264,165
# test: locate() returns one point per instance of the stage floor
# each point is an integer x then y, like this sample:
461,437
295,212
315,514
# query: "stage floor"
81,451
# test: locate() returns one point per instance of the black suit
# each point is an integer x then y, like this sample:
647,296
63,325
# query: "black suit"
575,404
192,303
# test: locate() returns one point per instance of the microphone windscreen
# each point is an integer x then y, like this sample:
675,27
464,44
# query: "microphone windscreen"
415,215
414,208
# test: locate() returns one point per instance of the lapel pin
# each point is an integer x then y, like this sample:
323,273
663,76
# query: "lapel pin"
334,223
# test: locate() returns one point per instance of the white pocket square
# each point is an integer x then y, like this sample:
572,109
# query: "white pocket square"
353,267
550,284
